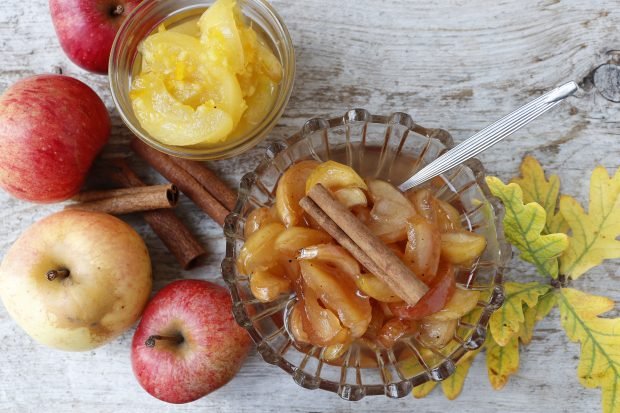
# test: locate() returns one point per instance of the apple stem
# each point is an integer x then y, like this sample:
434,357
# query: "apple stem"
150,342
118,10
53,274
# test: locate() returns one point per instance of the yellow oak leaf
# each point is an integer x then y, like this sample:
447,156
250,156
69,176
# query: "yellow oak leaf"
423,389
502,361
599,364
506,322
453,385
523,225
534,314
536,188
593,235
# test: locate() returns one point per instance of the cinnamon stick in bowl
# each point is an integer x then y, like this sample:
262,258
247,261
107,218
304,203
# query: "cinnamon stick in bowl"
366,247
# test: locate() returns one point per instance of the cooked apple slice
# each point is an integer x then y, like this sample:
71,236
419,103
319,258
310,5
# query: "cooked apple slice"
462,247
448,218
379,190
376,322
291,270
259,104
178,60
389,232
257,219
333,256
351,197
389,213
441,290
375,288
293,239
295,323
423,248
267,286
424,204
339,295
257,252
436,333
333,175
174,123
291,189
189,28
321,324
171,53
393,330
269,63
218,25
333,352
461,303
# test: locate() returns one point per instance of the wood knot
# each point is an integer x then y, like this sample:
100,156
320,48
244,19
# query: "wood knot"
607,80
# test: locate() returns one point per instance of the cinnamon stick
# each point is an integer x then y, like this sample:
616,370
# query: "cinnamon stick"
119,202
96,195
343,239
183,179
393,271
169,228
209,180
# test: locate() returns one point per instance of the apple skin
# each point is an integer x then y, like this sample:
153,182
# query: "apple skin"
51,129
107,288
213,347
86,29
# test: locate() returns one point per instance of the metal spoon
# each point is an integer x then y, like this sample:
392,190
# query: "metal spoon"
490,135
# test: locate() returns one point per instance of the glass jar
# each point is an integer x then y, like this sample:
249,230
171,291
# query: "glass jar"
125,63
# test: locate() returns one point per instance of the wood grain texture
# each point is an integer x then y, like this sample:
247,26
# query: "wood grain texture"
454,64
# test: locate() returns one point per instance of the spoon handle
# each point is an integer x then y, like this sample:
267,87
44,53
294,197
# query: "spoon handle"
490,135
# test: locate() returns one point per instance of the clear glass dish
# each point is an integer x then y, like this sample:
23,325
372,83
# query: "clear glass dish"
146,17
389,147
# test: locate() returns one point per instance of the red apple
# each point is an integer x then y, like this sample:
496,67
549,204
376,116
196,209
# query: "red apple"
86,29
51,129
187,343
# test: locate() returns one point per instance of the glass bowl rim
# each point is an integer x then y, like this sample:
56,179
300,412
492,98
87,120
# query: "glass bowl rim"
317,124
251,139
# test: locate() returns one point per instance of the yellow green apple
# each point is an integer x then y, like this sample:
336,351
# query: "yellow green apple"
76,279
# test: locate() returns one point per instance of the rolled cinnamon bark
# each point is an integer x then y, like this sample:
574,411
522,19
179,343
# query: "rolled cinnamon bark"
393,271
170,190
127,200
209,180
168,227
182,179
338,234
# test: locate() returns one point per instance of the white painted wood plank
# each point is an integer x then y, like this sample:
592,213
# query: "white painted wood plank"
453,64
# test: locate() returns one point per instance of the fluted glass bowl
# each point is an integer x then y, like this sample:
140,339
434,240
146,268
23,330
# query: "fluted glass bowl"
392,148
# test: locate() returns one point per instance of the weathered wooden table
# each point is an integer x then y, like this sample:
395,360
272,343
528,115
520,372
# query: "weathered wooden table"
454,64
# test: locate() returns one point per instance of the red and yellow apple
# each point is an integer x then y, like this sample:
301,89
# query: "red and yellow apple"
187,343
86,29
76,279
51,129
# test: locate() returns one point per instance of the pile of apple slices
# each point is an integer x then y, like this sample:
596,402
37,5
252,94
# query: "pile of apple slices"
339,301
205,80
